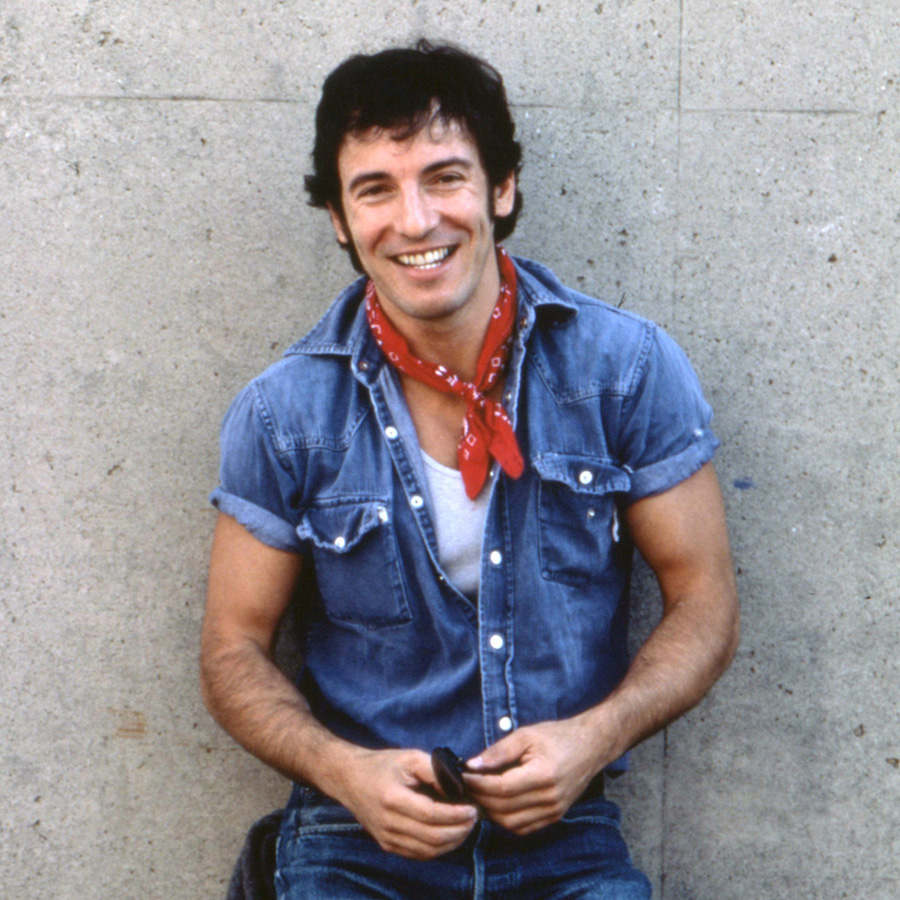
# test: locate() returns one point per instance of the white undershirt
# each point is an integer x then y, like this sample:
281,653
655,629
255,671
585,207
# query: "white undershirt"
459,524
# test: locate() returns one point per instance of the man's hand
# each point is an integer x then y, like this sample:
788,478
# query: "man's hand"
390,792
250,585
530,778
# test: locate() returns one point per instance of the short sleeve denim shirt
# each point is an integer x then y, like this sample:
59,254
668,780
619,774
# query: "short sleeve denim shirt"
319,456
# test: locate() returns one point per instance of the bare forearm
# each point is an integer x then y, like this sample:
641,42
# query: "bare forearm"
682,536
680,661
531,777
265,713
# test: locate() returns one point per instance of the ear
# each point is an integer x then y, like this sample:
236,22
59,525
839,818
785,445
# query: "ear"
505,196
337,222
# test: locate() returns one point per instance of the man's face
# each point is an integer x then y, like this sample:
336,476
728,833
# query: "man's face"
419,212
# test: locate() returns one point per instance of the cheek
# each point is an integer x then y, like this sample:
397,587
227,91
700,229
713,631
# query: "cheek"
361,232
475,212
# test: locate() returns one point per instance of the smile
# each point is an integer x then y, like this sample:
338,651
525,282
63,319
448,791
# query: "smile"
430,259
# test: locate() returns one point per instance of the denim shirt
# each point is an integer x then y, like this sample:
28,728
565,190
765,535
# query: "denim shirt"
320,456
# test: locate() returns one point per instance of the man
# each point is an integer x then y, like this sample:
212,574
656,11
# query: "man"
461,454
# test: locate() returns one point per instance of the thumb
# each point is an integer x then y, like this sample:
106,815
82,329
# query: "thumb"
418,766
505,753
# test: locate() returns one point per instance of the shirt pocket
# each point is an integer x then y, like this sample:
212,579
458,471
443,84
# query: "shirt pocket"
578,518
357,569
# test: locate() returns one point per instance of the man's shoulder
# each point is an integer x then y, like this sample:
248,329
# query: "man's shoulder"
582,339
301,394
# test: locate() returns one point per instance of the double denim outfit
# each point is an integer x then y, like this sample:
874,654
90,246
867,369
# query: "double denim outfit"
320,456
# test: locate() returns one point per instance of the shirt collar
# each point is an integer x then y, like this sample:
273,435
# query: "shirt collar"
344,331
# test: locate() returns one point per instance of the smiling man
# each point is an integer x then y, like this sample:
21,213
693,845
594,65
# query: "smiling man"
459,459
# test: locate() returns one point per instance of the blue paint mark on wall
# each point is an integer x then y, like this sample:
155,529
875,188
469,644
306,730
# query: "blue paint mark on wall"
743,484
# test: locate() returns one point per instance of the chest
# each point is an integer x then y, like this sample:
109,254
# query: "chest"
438,419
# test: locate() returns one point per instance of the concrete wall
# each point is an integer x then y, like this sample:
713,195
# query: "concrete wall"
729,169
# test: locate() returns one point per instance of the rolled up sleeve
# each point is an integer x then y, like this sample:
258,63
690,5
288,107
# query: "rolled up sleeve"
666,435
255,482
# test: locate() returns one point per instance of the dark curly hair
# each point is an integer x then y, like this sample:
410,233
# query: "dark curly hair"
404,89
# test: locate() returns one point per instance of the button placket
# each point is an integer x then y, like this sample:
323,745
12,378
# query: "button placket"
383,396
495,611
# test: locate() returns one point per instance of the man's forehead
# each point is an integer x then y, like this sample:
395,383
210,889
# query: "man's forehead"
402,138
381,150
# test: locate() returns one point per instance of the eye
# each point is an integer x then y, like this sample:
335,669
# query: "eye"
372,190
448,178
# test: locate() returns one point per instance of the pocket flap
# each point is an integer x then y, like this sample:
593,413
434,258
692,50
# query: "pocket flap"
339,525
583,474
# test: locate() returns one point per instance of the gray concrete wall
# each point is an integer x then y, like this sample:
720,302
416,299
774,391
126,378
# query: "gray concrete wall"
729,169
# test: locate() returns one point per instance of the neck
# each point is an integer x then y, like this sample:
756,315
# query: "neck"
454,345
455,341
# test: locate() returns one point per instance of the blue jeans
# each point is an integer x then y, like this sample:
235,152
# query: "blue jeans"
323,854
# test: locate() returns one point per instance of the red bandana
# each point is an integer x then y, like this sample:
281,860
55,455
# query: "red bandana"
487,430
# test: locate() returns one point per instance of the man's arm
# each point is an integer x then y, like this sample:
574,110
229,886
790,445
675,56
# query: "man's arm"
682,535
250,585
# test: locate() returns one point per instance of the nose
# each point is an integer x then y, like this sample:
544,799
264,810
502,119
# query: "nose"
417,215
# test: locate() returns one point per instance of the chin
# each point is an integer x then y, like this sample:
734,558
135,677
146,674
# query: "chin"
430,312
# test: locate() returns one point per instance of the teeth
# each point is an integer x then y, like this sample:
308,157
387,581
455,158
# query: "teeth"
426,260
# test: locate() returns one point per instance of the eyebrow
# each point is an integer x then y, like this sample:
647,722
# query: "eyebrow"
430,169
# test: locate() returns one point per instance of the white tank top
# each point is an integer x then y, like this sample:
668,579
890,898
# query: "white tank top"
459,523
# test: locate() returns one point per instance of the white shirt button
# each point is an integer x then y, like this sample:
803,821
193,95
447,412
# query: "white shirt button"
496,557
586,476
496,641
416,501
505,723
340,542
390,432
382,514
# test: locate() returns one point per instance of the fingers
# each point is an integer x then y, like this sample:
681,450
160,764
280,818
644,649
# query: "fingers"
407,821
425,811
512,783
514,790
526,777
529,821
531,792
506,752
425,808
424,830
518,811
422,771
418,841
